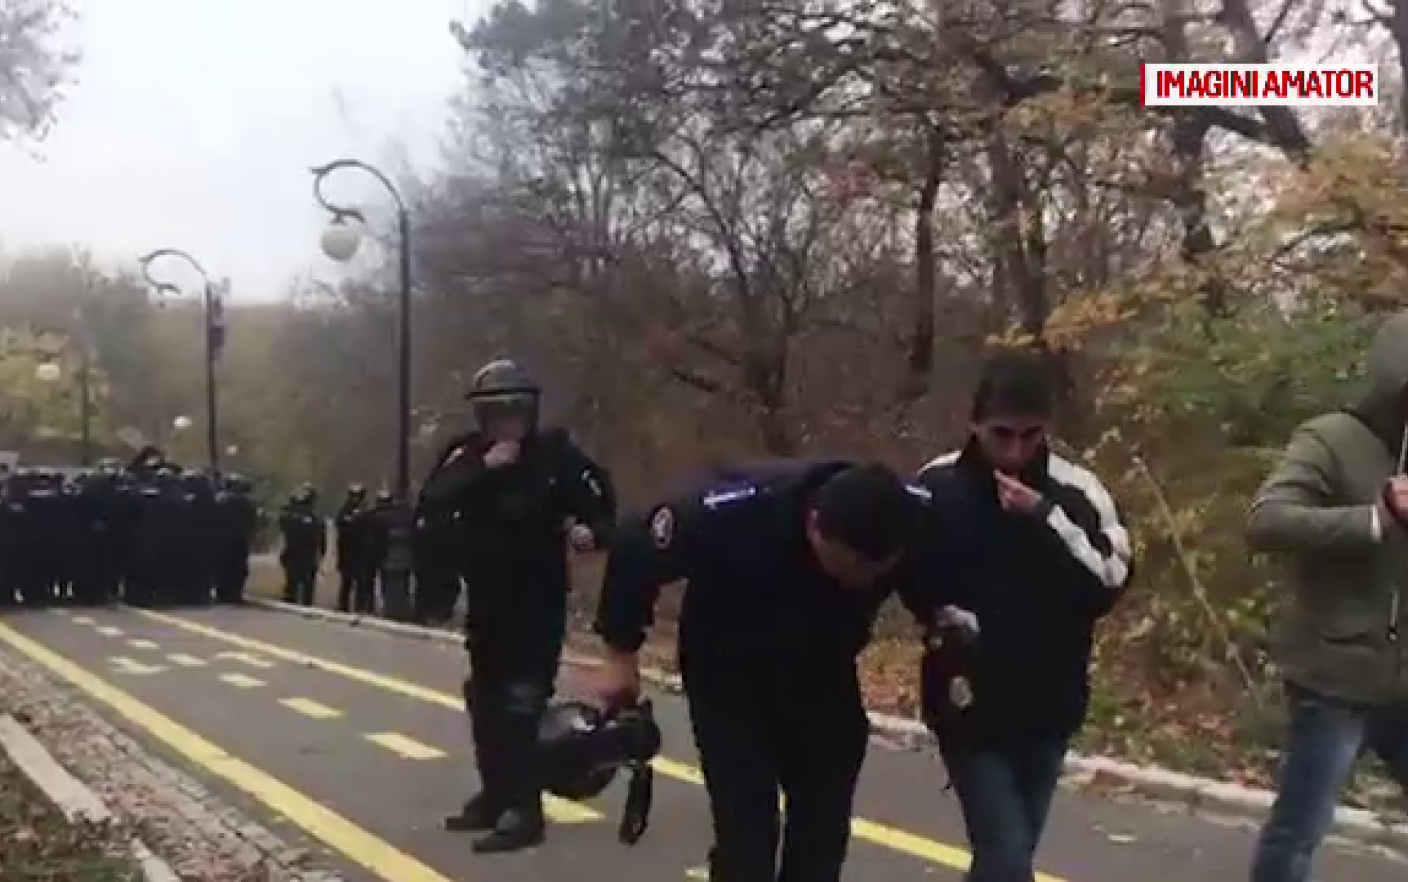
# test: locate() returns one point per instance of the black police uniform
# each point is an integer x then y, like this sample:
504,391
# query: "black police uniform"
144,565
305,543
767,648
237,519
513,555
438,583
355,565
47,509
97,570
16,540
382,518
195,560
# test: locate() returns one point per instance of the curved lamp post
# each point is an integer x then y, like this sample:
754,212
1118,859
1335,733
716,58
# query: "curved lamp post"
340,243
214,340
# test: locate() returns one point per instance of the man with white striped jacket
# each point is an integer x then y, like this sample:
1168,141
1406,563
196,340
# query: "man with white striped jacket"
1034,554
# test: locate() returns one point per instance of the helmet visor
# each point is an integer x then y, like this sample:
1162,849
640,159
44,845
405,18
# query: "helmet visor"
505,418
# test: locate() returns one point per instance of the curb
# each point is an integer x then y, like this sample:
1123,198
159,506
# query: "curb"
70,795
1199,794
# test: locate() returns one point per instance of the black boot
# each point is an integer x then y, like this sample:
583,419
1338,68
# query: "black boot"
516,830
478,815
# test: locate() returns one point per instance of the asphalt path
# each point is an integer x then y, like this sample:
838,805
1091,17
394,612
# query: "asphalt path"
354,741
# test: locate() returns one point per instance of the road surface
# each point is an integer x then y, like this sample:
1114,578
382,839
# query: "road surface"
354,741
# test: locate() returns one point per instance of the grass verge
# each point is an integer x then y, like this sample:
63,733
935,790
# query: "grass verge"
39,844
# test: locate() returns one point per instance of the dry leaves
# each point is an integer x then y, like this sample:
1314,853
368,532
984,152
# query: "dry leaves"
38,844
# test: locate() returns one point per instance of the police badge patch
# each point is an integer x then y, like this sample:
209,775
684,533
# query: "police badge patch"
960,692
662,527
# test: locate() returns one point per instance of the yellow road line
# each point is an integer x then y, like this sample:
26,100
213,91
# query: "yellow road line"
141,644
242,681
185,661
309,707
388,684
884,835
110,631
404,747
360,846
564,811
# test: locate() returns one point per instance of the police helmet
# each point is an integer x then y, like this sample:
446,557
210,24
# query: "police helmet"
356,491
504,387
303,493
383,497
581,748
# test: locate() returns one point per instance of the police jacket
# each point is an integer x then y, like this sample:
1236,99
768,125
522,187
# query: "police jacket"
238,519
1037,583
354,538
513,518
305,535
759,616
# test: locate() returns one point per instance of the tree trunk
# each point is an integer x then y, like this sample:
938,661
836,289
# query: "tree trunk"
919,361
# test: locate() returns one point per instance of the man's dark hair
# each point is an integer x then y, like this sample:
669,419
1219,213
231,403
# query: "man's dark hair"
1016,382
868,508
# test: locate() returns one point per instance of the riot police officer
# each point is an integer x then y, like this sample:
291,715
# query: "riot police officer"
16,540
513,488
237,519
98,566
381,519
355,566
438,580
305,543
195,557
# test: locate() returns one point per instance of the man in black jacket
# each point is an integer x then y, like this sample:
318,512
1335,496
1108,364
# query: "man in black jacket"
1033,555
786,567
516,494
356,570
305,544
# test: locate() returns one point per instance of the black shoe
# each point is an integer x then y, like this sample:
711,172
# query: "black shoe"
477,816
515,831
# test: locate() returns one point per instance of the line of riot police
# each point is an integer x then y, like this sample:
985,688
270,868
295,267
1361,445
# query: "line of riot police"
148,534
362,527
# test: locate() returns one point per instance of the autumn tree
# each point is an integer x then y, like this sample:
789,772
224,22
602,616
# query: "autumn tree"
35,64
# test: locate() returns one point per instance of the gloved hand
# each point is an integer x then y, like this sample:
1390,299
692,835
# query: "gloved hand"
958,622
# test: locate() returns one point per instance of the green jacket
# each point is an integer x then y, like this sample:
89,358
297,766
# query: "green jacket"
1342,631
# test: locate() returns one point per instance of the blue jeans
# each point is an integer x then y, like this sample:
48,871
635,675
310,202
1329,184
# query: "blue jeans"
1326,738
1005,797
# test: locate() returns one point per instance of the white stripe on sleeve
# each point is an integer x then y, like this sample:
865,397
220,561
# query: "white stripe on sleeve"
1112,570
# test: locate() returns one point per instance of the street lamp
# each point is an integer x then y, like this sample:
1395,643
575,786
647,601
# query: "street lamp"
50,372
340,242
181,423
214,340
